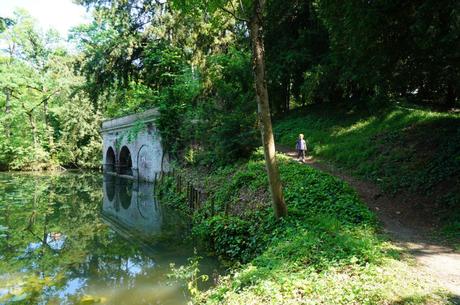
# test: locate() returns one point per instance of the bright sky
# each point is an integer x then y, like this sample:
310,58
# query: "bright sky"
58,14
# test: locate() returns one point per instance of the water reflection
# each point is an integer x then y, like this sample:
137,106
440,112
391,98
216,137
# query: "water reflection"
140,211
58,246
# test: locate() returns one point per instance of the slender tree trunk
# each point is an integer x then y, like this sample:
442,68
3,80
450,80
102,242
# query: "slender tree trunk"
34,128
48,128
256,35
45,112
7,112
7,101
288,95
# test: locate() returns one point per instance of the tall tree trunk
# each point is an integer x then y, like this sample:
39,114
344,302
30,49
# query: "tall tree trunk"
48,128
256,35
7,101
288,95
45,112
7,112
34,128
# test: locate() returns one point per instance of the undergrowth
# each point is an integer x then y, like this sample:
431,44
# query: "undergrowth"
326,251
399,147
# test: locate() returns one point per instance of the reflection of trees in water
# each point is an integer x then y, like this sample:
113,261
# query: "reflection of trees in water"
45,215
66,210
59,214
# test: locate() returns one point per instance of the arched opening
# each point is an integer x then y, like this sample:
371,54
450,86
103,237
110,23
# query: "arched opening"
125,164
110,160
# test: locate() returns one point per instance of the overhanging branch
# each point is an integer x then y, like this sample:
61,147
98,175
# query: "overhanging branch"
234,15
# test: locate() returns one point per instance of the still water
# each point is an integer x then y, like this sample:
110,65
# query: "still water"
90,239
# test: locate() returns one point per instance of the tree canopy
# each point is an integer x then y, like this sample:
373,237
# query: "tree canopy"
192,60
46,119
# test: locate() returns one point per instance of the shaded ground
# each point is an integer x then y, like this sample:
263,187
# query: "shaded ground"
409,227
409,152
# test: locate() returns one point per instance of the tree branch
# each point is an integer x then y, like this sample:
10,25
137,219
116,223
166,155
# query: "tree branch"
234,15
35,88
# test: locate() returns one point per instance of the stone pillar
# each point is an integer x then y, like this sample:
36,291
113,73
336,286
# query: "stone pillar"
135,171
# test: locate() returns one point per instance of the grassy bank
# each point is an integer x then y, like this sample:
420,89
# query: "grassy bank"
398,147
327,251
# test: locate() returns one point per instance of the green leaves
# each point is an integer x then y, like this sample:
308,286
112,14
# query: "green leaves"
3,231
42,99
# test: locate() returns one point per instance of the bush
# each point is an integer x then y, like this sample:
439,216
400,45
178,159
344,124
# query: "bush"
326,251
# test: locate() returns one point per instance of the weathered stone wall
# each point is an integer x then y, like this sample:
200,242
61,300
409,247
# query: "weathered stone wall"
131,204
139,134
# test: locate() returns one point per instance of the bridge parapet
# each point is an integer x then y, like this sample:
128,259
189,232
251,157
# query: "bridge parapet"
129,120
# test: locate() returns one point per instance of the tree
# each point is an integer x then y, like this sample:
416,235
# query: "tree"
296,43
399,48
268,141
5,23
252,13
132,16
37,82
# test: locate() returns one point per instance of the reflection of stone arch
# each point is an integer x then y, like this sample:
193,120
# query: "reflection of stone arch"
144,199
140,207
109,187
125,193
110,160
125,163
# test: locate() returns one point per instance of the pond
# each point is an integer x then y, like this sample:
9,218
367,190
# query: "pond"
84,238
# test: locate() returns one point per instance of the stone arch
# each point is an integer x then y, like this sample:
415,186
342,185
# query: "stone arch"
110,160
147,162
125,162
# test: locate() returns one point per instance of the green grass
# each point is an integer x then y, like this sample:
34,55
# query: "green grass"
327,251
399,147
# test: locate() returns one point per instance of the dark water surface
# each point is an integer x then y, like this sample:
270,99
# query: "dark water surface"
88,239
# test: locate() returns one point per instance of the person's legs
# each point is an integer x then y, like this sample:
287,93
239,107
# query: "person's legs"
303,155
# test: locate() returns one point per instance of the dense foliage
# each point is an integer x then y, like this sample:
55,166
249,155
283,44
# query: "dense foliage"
352,64
396,48
392,149
46,120
193,63
326,251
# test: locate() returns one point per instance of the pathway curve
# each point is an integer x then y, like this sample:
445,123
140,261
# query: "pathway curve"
407,226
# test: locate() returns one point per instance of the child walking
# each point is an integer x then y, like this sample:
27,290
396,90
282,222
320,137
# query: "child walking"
301,147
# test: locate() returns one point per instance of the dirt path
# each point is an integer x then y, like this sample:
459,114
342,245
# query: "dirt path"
406,223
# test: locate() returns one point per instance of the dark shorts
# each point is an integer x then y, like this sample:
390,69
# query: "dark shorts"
301,153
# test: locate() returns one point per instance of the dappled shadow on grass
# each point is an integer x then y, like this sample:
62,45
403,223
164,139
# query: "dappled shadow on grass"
442,262
356,141
326,249
409,153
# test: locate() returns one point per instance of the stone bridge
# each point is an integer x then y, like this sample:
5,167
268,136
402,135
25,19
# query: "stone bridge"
132,146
